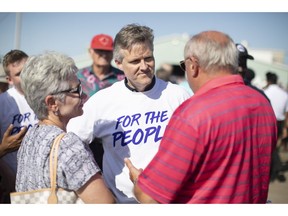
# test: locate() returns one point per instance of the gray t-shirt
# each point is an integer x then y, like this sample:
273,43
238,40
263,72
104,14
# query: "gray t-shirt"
76,164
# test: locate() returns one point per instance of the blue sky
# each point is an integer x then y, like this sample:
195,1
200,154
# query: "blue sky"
71,32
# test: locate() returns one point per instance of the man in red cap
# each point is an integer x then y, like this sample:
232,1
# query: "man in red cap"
101,73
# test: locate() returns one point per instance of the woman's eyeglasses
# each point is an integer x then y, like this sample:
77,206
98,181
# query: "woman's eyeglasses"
75,90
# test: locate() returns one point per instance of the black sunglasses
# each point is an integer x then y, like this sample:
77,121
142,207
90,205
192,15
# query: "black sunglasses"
75,90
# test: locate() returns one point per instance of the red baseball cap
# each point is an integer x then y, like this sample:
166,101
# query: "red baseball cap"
102,42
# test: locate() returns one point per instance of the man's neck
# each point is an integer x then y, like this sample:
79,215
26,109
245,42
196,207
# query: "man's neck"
18,90
101,71
133,88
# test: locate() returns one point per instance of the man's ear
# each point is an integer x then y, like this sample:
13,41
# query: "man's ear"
194,67
90,51
9,80
118,64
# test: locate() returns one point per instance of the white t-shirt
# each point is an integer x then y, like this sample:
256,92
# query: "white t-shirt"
130,124
278,99
15,110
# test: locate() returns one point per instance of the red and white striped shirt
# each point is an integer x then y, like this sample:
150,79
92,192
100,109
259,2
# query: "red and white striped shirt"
216,148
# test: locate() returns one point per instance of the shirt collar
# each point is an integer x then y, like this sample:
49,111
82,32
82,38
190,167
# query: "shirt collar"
149,87
220,81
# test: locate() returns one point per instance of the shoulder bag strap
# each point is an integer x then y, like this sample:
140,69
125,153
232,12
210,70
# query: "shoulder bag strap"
53,169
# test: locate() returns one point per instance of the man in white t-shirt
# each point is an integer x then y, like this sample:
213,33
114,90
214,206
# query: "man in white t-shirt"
130,116
14,111
279,101
278,97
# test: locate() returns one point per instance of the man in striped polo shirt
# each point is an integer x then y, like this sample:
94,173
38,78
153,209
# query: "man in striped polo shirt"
217,146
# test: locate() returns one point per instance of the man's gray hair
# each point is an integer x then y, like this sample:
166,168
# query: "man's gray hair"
213,55
130,35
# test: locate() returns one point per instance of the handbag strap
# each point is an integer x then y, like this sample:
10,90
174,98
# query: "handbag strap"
53,169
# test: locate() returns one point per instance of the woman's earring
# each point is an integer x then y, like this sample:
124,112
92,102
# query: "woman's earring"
56,113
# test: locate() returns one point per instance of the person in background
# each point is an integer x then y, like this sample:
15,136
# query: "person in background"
54,92
249,76
243,56
279,102
9,142
246,73
131,115
15,111
211,151
14,107
101,74
164,72
4,85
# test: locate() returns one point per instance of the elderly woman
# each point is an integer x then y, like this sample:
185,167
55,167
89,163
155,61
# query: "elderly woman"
53,91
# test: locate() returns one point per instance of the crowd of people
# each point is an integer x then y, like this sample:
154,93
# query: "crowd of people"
197,132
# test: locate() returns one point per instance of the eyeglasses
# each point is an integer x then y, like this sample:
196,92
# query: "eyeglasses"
75,90
182,65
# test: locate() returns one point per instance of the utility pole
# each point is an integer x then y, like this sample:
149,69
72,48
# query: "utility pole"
18,23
